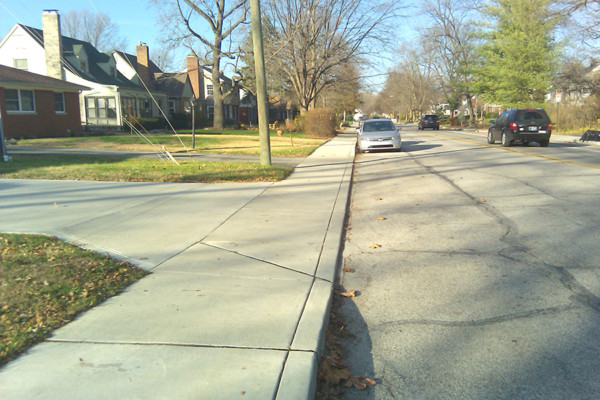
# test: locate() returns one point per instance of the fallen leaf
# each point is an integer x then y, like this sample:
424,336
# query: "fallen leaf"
331,374
375,246
382,218
359,382
378,198
348,269
350,293
483,200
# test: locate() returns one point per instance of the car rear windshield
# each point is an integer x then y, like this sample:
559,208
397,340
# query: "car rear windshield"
430,117
532,115
376,126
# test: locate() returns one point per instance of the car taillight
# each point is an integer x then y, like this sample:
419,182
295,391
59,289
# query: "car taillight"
513,125
549,127
437,121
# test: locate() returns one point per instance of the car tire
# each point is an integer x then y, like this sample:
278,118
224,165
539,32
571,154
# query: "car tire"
505,141
544,143
490,138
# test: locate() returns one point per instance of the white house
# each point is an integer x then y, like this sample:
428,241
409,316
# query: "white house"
111,95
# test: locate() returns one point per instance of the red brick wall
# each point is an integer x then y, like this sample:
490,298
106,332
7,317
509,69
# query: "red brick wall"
45,122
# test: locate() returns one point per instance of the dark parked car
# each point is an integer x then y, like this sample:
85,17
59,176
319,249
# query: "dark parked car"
523,125
429,121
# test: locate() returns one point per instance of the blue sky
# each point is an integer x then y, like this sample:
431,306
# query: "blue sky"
134,18
136,22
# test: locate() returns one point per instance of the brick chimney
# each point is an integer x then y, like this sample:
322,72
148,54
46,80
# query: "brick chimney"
143,63
52,43
194,76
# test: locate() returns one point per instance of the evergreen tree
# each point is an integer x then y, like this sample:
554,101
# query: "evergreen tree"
519,55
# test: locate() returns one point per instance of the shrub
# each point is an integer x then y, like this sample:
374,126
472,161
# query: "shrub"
201,120
149,123
575,116
180,121
320,122
290,125
230,122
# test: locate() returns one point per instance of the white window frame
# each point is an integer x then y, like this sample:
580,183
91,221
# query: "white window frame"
24,68
20,102
210,90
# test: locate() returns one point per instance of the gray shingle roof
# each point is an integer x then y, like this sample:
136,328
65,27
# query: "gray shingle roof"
96,73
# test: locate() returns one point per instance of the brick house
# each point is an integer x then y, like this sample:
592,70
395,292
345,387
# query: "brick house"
33,105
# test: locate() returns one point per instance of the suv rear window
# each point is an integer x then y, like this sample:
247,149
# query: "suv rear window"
532,115
430,117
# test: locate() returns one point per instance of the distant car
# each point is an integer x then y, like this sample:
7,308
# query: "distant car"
378,134
429,121
522,125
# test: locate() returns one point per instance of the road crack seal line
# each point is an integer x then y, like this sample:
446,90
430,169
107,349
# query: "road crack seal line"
509,226
479,322
564,276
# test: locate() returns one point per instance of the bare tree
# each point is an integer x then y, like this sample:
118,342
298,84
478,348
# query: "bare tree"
584,15
451,38
278,85
316,36
93,27
163,58
205,27
409,88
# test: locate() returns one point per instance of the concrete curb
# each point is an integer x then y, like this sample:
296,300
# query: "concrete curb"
308,344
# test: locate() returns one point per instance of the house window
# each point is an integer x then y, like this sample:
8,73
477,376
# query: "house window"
59,102
101,107
209,90
128,106
171,107
210,111
20,63
83,65
90,106
19,100
147,108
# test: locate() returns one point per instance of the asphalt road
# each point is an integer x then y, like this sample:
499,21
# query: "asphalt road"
478,269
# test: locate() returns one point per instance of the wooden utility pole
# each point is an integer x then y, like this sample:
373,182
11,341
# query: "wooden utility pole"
261,83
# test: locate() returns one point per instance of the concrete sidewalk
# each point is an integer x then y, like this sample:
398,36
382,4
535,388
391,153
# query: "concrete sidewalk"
237,302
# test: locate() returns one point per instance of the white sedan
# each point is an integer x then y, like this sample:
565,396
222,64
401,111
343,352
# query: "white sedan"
378,134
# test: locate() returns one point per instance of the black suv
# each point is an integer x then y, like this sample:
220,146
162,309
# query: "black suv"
523,125
429,121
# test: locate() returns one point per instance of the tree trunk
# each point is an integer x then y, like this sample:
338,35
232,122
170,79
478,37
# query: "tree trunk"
218,122
470,108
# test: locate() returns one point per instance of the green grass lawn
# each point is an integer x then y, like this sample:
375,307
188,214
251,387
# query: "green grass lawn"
226,141
137,169
44,283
